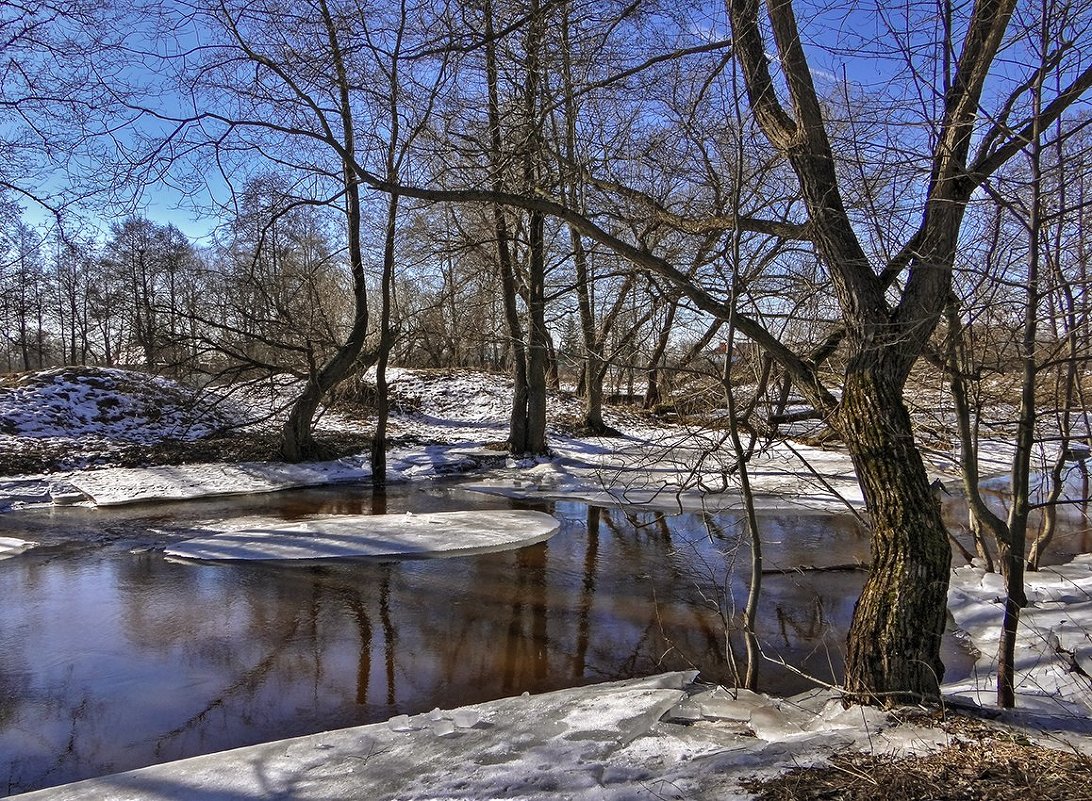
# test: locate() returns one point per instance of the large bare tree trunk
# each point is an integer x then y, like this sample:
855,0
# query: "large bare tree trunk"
893,651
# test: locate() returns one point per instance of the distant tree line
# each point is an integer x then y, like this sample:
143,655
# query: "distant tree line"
271,294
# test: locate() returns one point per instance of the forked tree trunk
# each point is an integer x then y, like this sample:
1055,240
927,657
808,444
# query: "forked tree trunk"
297,442
652,372
894,640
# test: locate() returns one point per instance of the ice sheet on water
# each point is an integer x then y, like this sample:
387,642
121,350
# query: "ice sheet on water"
520,748
121,485
375,536
13,546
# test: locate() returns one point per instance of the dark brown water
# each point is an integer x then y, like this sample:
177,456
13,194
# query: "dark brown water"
112,657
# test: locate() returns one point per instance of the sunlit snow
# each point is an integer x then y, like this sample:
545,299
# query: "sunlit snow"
608,741
120,485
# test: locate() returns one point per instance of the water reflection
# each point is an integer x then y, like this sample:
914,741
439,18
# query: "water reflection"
111,659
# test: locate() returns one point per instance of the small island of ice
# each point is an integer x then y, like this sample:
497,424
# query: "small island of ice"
13,546
408,536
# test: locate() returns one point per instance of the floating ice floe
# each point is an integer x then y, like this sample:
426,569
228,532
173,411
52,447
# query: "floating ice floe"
13,546
436,534
120,485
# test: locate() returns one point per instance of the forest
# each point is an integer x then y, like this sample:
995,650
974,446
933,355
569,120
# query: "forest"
788,211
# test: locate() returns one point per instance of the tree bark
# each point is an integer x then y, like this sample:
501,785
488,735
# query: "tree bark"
894,640
981,516
893,652
538,349
382,399
652,372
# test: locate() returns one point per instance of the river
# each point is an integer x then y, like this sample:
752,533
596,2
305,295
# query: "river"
113,657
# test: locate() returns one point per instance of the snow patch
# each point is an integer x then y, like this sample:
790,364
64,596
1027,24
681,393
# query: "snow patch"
1053,647
597,743
113,404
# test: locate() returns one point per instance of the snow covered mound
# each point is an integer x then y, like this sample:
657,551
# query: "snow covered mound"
436,534
112,404
467,396
466,404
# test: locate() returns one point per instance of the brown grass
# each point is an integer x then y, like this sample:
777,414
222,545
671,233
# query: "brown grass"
982,763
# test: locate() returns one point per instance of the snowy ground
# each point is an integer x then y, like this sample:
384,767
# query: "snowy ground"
662,737
442,423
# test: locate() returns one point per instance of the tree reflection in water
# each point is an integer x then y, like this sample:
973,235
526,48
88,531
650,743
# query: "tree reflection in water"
110,660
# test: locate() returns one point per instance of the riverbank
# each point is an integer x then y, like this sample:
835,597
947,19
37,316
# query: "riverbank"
67,435
642,738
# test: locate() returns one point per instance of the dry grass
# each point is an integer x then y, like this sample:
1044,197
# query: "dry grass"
982,763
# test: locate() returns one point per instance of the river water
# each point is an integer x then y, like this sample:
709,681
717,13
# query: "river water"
113,657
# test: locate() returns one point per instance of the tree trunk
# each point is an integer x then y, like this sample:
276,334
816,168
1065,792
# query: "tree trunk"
517,422
652,388
553,374
538,350
981,518
591,384
594,372
297,442
894,640
382,400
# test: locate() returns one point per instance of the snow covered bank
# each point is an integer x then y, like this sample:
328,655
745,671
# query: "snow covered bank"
460,419
74,402
436,534
1054,641
661,737
682,470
